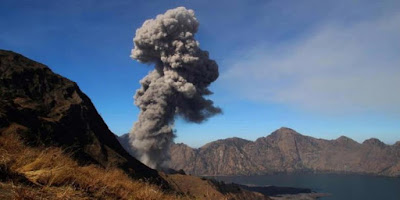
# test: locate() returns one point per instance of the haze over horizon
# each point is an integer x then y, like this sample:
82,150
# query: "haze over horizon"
324,70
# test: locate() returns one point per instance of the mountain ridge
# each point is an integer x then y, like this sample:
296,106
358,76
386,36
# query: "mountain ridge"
340,138
287,151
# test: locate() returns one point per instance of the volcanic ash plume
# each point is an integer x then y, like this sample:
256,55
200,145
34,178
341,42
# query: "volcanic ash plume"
176,87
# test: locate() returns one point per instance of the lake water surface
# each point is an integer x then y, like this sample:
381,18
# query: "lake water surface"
341,187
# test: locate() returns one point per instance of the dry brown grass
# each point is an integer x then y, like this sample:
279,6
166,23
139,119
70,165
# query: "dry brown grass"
55,175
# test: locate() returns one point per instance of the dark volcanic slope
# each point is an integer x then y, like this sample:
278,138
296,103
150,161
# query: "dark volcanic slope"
49,109
287,151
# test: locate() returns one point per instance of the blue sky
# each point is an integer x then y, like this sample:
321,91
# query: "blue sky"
323,68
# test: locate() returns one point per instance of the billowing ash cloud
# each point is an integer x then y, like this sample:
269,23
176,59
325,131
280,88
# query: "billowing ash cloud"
177,85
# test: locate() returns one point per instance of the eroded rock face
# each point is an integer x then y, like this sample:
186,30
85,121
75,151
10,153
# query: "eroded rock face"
56,112
286,151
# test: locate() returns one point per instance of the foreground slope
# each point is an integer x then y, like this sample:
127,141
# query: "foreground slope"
40,172
286,151
56,112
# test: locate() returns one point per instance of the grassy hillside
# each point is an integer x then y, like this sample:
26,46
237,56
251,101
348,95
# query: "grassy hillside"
40,172
49,173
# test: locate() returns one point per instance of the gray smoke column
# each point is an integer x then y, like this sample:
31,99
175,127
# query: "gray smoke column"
176,87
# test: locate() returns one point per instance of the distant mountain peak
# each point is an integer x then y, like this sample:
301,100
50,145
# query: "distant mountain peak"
286,129
374,141
284,132
236,139
345,139
228,141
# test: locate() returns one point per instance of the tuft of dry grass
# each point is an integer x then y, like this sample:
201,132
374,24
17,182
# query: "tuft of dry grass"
55,175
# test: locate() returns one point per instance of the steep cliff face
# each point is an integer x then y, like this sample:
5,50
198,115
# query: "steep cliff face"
48,109
286,151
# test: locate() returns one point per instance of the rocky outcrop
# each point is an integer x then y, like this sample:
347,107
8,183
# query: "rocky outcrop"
53,111
286,151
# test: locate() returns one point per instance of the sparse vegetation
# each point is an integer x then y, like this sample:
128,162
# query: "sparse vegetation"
49,173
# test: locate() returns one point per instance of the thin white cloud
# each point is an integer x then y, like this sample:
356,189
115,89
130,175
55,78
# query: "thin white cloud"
337,68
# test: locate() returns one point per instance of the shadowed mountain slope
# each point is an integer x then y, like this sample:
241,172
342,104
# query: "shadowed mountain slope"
54,111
